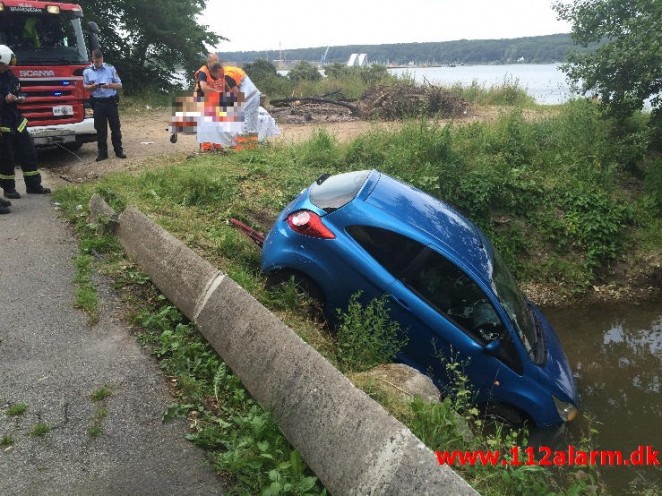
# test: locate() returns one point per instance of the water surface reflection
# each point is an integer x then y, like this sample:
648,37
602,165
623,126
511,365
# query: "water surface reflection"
616,355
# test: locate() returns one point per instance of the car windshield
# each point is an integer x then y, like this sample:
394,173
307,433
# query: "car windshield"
513,301
44,38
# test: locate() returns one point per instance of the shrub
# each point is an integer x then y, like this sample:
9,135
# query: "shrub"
366,336
304,71
593,222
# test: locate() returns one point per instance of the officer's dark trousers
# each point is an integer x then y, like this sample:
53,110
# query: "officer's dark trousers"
106,114
17,147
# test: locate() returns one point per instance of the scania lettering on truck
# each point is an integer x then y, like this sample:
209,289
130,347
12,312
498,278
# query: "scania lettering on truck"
49,43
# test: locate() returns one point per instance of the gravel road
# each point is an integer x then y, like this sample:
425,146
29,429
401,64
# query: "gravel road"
52,361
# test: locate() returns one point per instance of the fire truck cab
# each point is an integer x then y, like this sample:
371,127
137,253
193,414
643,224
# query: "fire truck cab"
51,53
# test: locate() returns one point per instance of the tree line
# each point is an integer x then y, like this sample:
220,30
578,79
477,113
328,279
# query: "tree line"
534,50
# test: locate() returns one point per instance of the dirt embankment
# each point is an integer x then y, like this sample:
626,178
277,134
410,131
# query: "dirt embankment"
147,144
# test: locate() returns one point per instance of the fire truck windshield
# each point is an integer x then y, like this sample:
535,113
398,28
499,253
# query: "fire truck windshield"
41,38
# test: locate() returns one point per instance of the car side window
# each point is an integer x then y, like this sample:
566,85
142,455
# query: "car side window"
456,295
451,292
392,250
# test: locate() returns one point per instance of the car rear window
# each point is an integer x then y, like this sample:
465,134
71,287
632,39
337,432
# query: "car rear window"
333,192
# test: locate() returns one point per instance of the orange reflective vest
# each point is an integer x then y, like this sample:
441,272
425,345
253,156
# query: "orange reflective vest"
213,82
236,74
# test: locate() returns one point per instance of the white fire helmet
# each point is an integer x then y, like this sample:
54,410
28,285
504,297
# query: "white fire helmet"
7,56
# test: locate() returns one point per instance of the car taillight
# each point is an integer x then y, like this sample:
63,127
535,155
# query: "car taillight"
309,224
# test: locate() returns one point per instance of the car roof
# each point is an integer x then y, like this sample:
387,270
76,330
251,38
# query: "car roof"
438,223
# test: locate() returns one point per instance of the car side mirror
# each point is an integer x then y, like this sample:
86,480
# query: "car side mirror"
493,347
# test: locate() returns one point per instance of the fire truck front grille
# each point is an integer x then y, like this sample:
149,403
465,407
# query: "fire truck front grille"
51,102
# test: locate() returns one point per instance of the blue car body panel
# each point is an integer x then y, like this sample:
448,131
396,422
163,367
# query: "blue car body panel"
341,267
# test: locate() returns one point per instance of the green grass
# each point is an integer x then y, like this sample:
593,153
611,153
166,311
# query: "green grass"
149,100
96,429
40,429
101,394
16,410
6,440
85,296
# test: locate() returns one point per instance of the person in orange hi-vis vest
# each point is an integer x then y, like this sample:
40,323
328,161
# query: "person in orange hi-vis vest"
227,110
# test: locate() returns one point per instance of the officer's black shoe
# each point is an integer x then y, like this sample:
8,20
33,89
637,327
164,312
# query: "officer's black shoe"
12,193
38,190
120,155
102,156
4,210
5,203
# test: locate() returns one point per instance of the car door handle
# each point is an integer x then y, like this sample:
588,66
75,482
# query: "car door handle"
400,302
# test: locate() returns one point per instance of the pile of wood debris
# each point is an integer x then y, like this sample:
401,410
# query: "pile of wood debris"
379,102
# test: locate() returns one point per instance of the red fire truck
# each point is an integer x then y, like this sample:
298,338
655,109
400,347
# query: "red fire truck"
49,43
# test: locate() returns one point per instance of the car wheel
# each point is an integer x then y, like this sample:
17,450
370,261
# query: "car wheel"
505,414
303,284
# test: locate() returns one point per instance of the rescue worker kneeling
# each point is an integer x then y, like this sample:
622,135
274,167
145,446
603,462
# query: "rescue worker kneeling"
15,142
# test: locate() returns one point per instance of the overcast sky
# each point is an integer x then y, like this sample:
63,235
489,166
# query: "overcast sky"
273,25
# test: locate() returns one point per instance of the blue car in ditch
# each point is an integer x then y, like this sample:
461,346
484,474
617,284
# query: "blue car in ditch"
443,281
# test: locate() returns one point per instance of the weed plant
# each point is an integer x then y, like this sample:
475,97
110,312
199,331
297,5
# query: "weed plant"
367,337
16,410
101,394
96,429
40,429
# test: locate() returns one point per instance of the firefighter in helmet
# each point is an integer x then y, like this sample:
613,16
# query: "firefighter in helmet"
15,141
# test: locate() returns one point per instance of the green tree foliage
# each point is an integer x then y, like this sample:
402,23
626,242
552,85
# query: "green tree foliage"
260,69
625,69
265,76
304,71
149,41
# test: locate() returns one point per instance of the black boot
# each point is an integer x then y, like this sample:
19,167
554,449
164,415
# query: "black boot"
5,203
4,210
38,190
12,193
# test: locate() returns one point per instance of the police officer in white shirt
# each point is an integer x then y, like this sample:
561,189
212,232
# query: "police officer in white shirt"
104,82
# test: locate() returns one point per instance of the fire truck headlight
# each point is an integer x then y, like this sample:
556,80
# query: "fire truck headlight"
53,9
